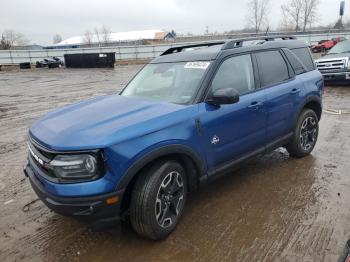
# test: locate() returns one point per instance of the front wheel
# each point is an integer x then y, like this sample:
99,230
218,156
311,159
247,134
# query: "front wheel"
305,134
158,200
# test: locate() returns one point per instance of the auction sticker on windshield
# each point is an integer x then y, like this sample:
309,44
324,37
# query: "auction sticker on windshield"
197,65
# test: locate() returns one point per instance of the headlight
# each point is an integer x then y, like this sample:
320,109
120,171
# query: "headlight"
75,167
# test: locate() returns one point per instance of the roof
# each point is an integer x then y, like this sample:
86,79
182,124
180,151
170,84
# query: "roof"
118,37
211,52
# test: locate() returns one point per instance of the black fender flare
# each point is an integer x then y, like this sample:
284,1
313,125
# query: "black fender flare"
163,151
311,98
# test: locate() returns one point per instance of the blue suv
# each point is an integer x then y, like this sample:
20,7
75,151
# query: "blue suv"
192,114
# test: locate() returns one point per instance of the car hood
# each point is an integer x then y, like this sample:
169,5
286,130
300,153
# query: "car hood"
102,121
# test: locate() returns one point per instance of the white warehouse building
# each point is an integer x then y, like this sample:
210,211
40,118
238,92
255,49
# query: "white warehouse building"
130,36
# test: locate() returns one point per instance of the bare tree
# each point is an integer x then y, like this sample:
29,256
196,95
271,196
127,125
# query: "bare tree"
88,38
10,38
57,39
285,22
105,33
4,45
309,10
258,14
292,13
97,35
299,13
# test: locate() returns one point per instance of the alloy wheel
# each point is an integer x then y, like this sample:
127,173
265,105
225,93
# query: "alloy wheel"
169,201
308,133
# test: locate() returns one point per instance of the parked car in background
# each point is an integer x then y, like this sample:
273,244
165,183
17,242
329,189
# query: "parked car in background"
191,115
325,45
52,62
335,66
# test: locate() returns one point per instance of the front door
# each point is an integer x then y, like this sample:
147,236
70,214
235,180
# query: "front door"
233,131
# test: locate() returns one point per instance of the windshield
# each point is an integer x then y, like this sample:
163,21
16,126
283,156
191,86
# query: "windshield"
170,82
342,47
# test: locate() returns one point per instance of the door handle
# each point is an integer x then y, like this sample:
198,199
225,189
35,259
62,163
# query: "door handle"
255,105
295,91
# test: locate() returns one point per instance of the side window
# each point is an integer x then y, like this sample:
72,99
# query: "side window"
295,62
305,57
272,68
235,72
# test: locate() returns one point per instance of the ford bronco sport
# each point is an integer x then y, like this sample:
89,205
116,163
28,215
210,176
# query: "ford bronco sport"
190,115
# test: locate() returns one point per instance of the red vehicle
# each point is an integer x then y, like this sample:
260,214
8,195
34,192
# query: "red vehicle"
325,45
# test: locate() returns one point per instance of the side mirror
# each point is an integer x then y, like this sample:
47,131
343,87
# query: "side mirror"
224,97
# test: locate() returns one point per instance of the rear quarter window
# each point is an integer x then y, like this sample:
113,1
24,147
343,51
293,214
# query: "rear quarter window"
305,57
295,62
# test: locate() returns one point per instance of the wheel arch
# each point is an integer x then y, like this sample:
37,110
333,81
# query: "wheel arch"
314,103
189,160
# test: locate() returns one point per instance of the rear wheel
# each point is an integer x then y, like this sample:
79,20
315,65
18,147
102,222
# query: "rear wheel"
158,200
305,134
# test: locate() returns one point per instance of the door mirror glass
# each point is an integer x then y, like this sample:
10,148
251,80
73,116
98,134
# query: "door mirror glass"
224,96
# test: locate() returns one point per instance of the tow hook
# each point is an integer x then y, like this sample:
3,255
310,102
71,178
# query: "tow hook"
87,212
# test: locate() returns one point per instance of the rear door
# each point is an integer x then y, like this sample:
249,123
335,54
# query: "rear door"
276,77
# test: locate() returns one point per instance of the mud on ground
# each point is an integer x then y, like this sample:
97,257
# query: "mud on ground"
275,208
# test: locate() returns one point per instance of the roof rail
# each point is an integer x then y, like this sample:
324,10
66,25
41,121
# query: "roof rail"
234,43
177,49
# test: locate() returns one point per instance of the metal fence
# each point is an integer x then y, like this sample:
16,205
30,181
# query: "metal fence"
121,52
313,35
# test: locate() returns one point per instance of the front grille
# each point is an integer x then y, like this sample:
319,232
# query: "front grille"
332,65
42,170
39,158
47,154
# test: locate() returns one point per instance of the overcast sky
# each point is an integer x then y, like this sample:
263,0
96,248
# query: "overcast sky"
39,20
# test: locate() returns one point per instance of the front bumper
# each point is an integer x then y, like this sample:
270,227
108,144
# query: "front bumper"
341,76
91,209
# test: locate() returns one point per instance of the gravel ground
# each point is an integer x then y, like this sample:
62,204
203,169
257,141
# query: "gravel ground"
274,209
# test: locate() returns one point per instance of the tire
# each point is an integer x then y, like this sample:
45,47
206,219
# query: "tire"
158,200
305,134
